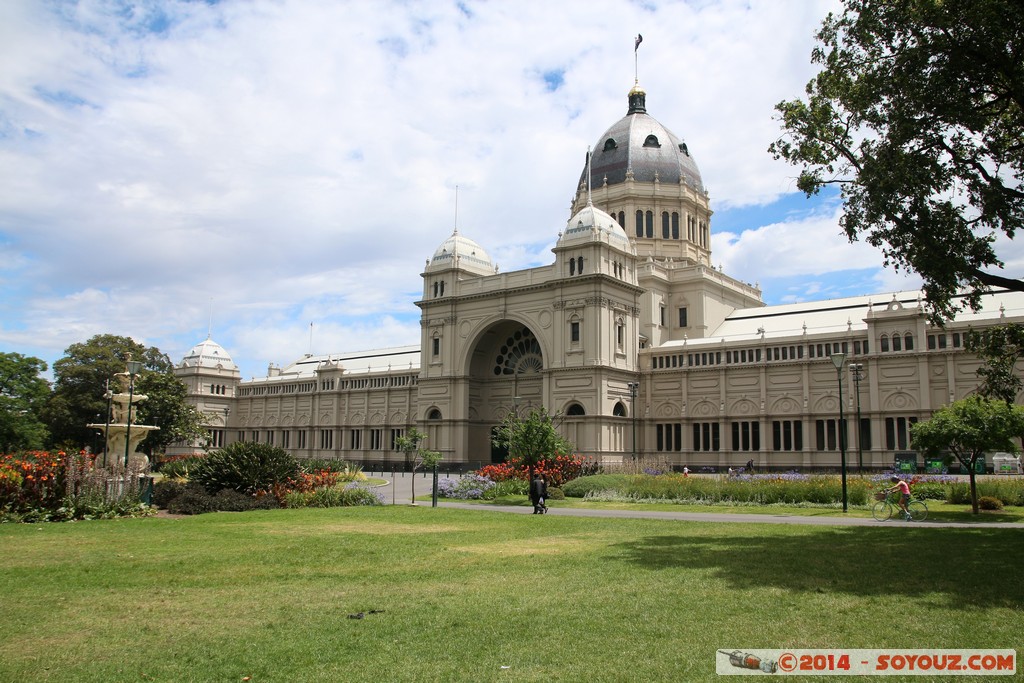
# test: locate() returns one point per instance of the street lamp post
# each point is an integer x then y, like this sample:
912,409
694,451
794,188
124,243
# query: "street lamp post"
633,386
837,360
134,368
109,395
857,370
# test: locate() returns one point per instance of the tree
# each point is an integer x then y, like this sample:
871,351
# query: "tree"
532,439
166,406
23,395
999,349
410,445
968,428
918,115
80,379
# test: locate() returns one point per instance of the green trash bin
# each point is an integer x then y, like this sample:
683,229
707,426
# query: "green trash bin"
980,465
935,466
905,463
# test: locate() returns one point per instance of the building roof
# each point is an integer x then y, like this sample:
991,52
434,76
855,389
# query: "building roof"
458,251
591,223
376,360
839,315
208,354
639,145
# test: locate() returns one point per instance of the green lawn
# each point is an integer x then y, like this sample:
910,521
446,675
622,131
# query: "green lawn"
267,595
938,511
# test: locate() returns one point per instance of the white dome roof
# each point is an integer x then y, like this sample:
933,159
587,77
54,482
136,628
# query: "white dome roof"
208,354
461,252
591,223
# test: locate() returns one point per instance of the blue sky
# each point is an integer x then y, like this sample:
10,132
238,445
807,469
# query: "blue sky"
169,169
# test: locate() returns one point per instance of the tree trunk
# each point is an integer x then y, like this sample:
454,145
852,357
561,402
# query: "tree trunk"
974,486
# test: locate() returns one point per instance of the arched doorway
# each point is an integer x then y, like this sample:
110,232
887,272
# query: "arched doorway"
506,375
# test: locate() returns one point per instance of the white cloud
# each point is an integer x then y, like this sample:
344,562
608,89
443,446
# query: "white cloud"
291,160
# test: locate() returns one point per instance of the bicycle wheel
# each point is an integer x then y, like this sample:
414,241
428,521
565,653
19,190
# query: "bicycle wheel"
918,510
882,510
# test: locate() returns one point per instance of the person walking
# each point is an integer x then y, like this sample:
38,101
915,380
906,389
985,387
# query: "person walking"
538,494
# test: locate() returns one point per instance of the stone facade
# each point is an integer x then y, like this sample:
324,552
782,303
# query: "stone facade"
631,335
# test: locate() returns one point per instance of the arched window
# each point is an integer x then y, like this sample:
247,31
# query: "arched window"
897,343
639,223
435,290
572,266
434,414
883,344
652,141
908,342
675,225
665,227
579,264
650,223
619,410
609,145
622,219
575,410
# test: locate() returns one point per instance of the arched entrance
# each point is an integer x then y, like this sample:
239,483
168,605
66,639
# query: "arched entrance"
505,376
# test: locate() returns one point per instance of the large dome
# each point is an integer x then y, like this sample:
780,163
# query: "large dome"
639,146
461,252
208,354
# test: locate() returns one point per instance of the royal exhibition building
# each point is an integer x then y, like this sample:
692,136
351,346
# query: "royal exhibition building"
640,346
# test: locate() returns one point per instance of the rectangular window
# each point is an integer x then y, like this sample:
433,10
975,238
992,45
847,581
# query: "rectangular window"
286,438
217,438
706,436
436,348
746,436
865,434
396,434
574,332
682,317
620,335
663,316
356,439
326,439
376,439
787,435
300,438
897,432
827,434
669,437
255,436
270,437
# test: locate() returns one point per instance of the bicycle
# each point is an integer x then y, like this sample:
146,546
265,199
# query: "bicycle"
886,507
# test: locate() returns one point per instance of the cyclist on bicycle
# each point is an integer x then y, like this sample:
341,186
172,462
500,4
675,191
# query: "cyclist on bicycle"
904,488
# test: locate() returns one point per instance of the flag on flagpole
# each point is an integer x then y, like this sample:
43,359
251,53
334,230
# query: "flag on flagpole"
636,45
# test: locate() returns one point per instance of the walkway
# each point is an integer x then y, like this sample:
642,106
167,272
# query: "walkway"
399,491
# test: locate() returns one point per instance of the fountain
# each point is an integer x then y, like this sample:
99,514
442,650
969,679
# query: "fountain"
121,435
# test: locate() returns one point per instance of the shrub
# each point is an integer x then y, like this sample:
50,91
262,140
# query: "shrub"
470,487
166,490
346,495
510,487
246,467
345,471
228,500
990,503
194,500
579,488
179,465
555,493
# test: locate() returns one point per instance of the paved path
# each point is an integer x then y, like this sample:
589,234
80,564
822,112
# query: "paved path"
399,491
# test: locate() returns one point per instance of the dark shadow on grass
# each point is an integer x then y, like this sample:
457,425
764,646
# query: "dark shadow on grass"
970,567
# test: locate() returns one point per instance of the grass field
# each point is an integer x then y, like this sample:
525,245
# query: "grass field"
459,595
